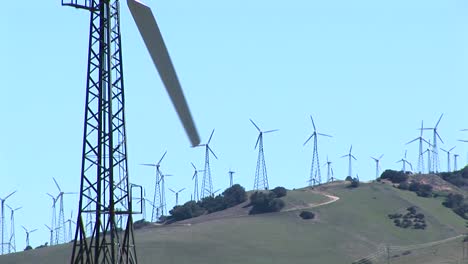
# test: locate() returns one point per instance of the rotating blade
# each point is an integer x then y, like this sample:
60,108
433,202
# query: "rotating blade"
209,140
438,121
313,123
255,125
269,131
307,139
57,184
154,42
159,162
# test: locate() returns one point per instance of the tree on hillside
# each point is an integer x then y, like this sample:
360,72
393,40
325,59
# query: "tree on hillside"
234,195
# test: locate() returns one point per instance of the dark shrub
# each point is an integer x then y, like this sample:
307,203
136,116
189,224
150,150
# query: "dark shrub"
349,178
453,200
411,209
394,176
403,186
265,202
234,195
307,215
28,248
363,261
406,253
279,191
213,204
354,183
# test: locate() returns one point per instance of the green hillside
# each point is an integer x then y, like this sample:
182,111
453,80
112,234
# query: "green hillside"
348,229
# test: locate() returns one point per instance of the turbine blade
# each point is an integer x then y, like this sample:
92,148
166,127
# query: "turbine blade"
438,121
326,135
9,195
269,131
56,184
353,157
350,149
213,153
171,190
463,140
194,174
345,156
306,140
159,162
148,164
452,148
181,190
313,123
381,156
443,150
412,141
258,139
255,125
435,131
154,42
209,140
195,168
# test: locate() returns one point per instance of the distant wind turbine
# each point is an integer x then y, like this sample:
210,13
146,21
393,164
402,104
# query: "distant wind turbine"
350,157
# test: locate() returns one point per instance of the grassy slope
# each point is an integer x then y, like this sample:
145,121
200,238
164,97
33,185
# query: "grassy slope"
346,230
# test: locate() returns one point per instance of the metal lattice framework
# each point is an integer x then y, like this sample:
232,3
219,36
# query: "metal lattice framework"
261,176
104,191
435,149
315,165
159,197
207,182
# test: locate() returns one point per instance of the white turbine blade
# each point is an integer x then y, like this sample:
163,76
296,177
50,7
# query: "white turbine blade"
9,195
195,168
308,139
313,123
154,42
258,139
255,125
148,164
213,153
269,131
171,190
56,184
438,121
321,134
159,162
181,190
412,140
209,139
381,156
452,148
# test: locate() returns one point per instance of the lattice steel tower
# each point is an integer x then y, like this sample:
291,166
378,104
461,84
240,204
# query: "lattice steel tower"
104,172
261,176
315,165
207,182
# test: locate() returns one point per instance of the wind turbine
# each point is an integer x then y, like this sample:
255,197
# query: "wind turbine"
4,233
105,126
177,195
405,161
155,207
315,167
329,170
157,188
70,222
377,166
27,234
435,151
350,157
448,157
162,204
428,151
196,194
12,240
231,174
455,156
207,182
54,215
261,177
420,153
60,232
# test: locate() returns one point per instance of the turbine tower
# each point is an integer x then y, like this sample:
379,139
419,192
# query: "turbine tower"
261,177
455,167
448,158
104,172
428,151
231,174
350,157
315,167
177,195
196,194
405,161
51,238
207,182
377,166
162,203
435,150
420,153
12,240
3,224
60,225
27,235
53,221
157,198
329,171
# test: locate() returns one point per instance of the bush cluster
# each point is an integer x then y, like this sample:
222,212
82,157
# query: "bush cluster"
458,178
421,189
412,219
307,215
394,176
230,197
267,202
457,203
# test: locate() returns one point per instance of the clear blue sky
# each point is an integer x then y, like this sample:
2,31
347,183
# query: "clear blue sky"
368,71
